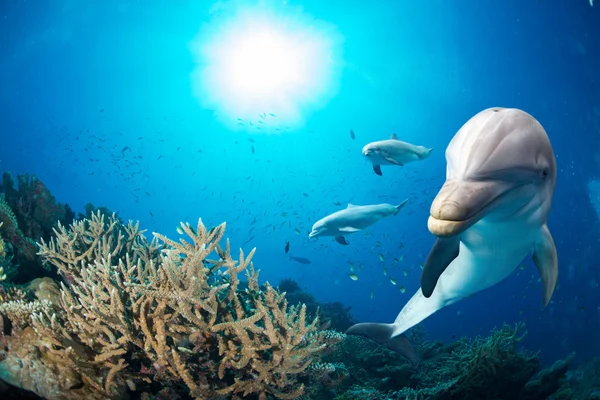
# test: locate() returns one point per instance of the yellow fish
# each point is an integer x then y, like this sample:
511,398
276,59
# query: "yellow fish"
353,277
392,281
179,230
402,289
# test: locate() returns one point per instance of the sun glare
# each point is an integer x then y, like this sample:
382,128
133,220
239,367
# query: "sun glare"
262,62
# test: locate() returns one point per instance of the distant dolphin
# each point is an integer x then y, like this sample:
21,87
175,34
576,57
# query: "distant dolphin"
489,215
393,152
352,219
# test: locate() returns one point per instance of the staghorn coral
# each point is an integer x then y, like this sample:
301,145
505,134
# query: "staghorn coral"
133,312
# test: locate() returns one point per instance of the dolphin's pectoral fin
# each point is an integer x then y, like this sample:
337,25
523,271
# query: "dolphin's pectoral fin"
348,229
377,169
382,334
392,161
546,261
341,240
441,255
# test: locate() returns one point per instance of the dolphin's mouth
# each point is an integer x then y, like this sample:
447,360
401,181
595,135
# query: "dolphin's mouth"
312,234
461,204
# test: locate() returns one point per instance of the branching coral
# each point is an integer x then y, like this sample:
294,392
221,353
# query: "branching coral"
134,311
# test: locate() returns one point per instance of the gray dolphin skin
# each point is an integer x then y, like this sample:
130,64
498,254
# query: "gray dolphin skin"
393,152
488,216
352,219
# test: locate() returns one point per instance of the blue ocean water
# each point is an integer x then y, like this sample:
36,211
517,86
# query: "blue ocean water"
106,102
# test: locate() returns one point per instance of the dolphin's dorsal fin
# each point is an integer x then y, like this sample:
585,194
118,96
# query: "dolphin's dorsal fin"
393,137
350,205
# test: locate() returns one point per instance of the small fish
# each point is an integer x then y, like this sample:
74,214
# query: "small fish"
124,149
352,135
300,260
297,231
305,194
252,148
179,230
337,203
401,245
353,277
272,115
405,272
392,281
402,289
251,140
287,247
381,257
522,266
248,241
372,293
384,271
421,265
351,267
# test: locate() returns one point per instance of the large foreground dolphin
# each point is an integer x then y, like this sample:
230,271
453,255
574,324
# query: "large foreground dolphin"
489,215
352,219
393,152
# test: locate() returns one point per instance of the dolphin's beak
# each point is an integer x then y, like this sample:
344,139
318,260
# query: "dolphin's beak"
312,234
460,204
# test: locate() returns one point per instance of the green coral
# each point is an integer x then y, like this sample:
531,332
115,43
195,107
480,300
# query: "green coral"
492,367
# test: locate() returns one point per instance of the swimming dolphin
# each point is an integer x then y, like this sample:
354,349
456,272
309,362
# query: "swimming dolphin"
352,219
490,213
393,152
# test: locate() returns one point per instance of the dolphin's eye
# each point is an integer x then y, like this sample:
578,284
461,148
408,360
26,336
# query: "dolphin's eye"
544,173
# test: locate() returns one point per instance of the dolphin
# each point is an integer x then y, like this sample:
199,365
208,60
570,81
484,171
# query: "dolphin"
393,152
488,216
352,219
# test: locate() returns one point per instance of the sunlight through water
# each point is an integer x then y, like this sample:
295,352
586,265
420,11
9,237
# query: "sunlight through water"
270,65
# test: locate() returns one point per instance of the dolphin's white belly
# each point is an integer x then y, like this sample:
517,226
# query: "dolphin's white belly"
488,253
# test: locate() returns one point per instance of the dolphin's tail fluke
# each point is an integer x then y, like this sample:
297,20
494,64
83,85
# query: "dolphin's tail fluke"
416,310
399,207
382,333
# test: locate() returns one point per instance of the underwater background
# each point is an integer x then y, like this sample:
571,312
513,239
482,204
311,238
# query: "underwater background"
124,104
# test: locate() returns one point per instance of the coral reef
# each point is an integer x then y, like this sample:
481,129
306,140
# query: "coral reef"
483,368
34,207
134,313
28,212
334,314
